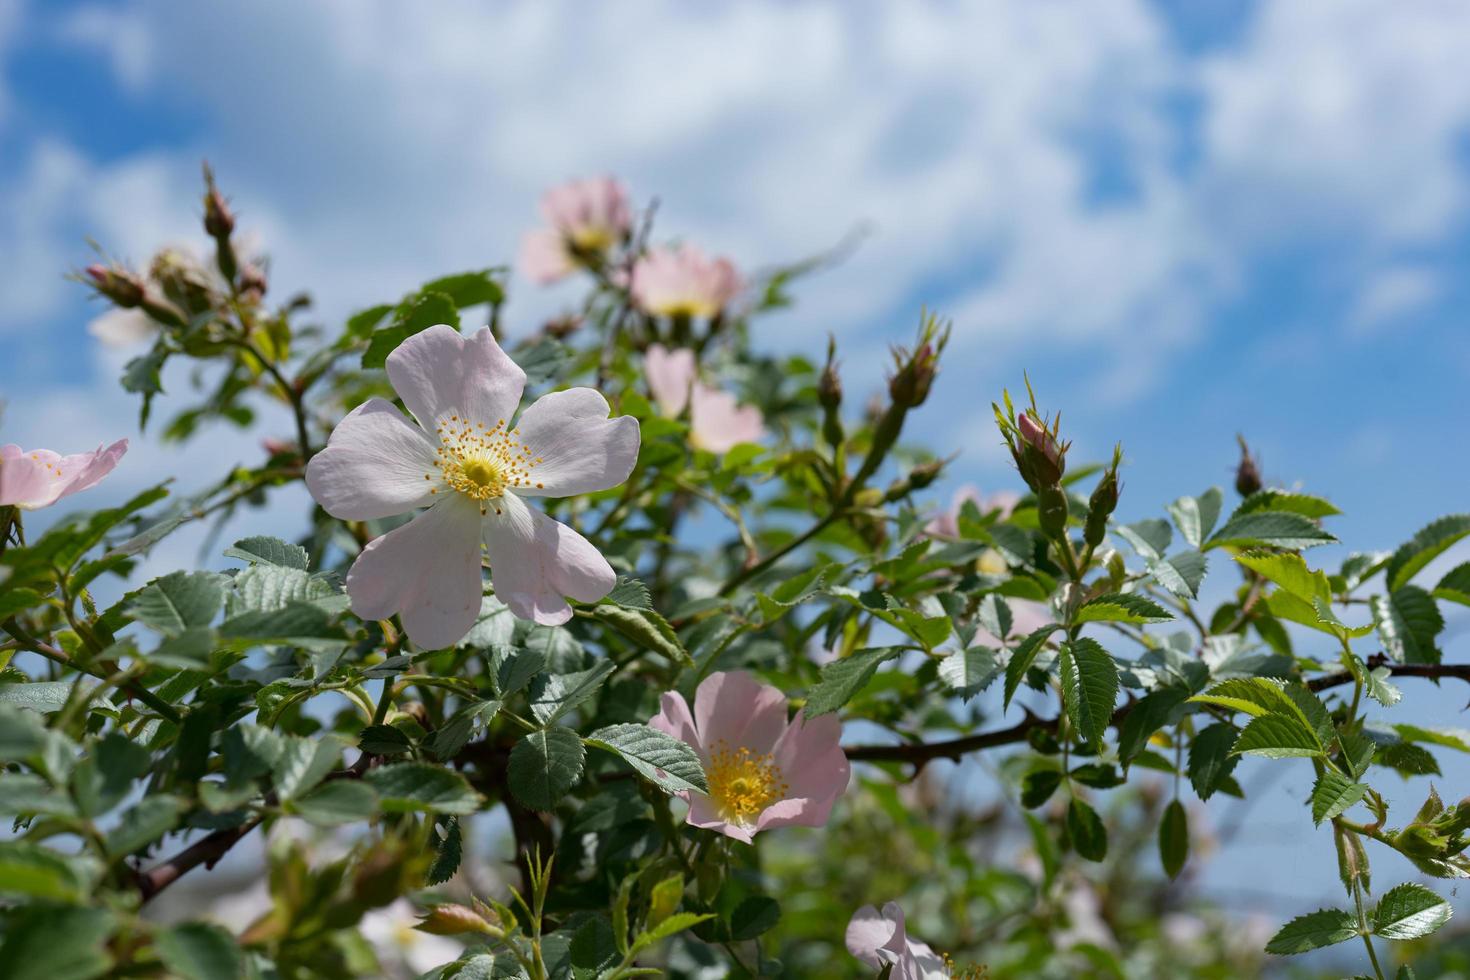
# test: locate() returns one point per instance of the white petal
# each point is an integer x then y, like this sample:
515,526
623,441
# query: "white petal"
123,328
427,571
535,561
374,465
580,449
440,372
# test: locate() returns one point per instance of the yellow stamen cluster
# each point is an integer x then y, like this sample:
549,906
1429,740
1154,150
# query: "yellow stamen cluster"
742,783
482,461
971,972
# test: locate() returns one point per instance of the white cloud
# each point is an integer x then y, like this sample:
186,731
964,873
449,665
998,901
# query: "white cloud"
1391,295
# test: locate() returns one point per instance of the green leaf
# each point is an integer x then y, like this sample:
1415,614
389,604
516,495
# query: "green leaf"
629,592
842,679
1120,607
754,916
22,735
1408,621
1038,785
667,762
1181,573
468,288
1325,927
270,551
1274,529
298,623
1332,794
968,672
1085,828
554,695
646,628
1150,537
417,787
1150,714
1432,541
1290,572
102,779
148,820
1293,503
1023,657
40,696
179,600
1278,737
199,951
31,871
1455,586
57,943
1409,911
303,763
17,600
671,926
1380,689
1255,696
1451,738
544,765
342,801
1089,686
413,316
1174,838
383,740
1210,760
1196,516
448,740
271,587
448,853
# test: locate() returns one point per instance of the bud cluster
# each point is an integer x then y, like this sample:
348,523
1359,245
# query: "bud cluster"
829,395
1041,457
1103,502
914,371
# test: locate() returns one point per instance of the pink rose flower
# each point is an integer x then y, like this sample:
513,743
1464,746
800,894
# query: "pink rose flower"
947,524
39,478
880,939
717,422
582,216
670,373
764,771
683,281
470,466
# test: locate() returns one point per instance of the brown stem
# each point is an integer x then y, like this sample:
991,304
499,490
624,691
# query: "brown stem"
206,851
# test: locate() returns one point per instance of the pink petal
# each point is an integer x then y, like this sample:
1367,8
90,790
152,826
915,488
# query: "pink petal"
427,571
440,373
39,478
544,257
88,469
670,373
810,758
702,814
674,719
683,280
535,561
734,708
718,423
578,448
374,465
877,938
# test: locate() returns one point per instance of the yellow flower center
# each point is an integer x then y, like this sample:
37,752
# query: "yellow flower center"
592,238
971,972
480,461
742,783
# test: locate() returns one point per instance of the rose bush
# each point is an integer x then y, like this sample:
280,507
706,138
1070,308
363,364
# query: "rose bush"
648,676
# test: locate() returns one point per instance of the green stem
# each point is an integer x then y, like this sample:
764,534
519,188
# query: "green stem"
136,690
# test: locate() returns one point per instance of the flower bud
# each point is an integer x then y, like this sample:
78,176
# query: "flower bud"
1051,510
1103,502
219,220
1247,473
118,285
253,283
829,387
910,384
1037,438
451,920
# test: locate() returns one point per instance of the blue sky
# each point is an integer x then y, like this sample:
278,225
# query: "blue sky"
1184,220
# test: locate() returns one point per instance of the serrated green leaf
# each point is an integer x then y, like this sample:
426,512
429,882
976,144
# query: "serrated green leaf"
1332,794
1174,838
270,551
1455,586
1408,622
1023,657
1274,529
1038,785
1293,503
1122,607
1325,927
968,672
28,870
1090,687
1085,828
554,695
269,588
179,600
1278,737
667,762
1432,541
1409,911
466,289
448,852
1151,713
1210,759
646,628
303,763
1451,738
339,802
143,823
57,943
1196,516
199,951
417,787
416,314
844,678
1181,573
1150,537
544,765
630,592
457,731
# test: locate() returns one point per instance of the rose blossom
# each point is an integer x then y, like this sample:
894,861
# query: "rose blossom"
39,478
683,281
717,422
471,467
583,217
764,771
880,939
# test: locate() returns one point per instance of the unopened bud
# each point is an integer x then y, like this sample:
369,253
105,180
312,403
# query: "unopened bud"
829,385
118,285
253,283
910,384
1051,510
1101,505
219,220
451,920
1247,473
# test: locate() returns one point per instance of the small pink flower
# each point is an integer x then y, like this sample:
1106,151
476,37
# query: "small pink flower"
39,478
947,524
683,281
764,771
670,373
470,467
879,939
582,216
718,423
